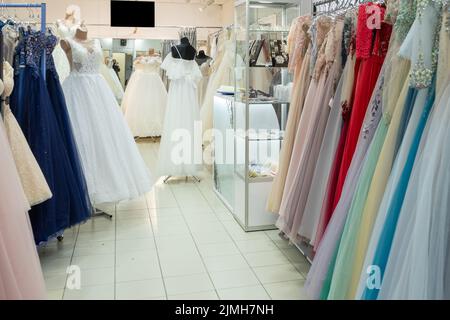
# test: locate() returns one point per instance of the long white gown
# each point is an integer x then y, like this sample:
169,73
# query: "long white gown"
180,152
113,80
145,99
113,166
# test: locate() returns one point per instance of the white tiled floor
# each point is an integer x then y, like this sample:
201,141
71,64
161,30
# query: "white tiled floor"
177,242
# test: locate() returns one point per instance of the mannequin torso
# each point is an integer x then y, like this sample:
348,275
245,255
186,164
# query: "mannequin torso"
184,49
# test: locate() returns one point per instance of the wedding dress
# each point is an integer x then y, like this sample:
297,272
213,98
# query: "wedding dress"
145,99
180,153
114,168
113,80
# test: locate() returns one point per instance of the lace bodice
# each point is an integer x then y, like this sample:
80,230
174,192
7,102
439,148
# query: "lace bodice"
8,80
318,32
148,64
299,40
86,57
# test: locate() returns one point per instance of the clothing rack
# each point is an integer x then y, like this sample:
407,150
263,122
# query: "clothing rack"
43,7
334,5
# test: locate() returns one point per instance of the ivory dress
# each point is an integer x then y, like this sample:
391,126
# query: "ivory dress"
113,80
33,180
145,99
61,62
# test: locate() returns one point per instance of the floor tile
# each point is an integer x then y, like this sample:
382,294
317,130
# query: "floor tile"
135,257
254,293
140,290
55,281
105,292
137,272
294,255
109,235
97,224
188,284
94,261
291,290
97,277
54,266
175,266
267,258
260,245
224,263
206,237
200,296
233,278
130,245
218,249
272,274
132,214
90,248
55,294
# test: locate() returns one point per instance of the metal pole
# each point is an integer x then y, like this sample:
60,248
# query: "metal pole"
43,30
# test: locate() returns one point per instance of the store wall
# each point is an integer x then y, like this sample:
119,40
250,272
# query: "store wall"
228,13
170,14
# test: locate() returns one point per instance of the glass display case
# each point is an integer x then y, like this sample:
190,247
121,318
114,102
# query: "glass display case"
257,113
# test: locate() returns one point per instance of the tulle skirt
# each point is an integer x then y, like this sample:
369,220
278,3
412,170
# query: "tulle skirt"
418,264
45,133
145,103
385,225
114,168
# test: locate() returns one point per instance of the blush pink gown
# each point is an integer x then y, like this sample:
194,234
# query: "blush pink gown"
20,271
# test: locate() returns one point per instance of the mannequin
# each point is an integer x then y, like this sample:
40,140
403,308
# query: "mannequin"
81,35
201,58
72,17
186,50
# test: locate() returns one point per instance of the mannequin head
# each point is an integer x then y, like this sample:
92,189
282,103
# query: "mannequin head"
73,14
185,41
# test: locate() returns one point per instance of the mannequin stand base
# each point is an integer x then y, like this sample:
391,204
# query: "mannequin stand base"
98,213
198,180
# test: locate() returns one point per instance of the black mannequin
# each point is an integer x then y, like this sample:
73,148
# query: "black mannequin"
201,58
187,51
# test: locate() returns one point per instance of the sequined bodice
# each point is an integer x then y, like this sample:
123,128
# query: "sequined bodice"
148,64
86,58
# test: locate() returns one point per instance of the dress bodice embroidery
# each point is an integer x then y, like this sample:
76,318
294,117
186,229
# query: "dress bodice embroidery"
299,40
419,44
8,79
148,64
86,58
50,44
318,32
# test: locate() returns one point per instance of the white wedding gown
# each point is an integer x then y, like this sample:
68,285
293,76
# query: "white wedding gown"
145,100
113,80
113,166
180,152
